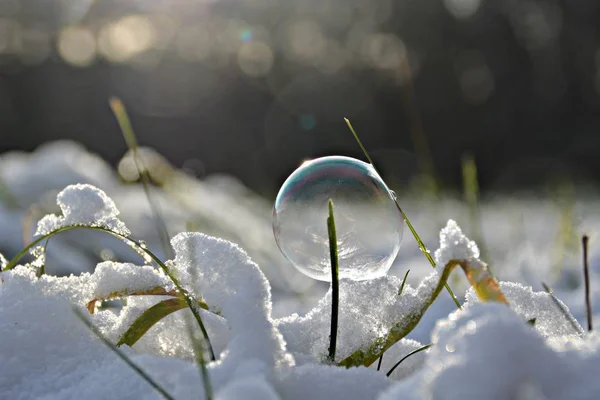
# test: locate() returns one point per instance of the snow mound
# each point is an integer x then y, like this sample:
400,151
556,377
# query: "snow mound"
224,276
83,204
551,320
367,311
454,245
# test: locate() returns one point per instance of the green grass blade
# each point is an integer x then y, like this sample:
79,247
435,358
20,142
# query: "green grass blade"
406,220
197,344
150,317
471,195
122,356
335,283
403,283
120,113
420,349
12,263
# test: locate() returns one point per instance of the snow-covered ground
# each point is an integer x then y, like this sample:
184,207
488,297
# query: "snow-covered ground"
268,324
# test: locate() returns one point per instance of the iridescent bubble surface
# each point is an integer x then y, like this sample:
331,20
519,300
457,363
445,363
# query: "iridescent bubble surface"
369,226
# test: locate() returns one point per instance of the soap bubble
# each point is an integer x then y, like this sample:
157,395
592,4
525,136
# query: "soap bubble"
368,224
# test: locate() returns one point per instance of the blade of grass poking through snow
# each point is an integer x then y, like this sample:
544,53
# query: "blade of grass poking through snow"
198,347
412,353
134,244
406,220
42,270
471,195
564,311
400,291
369,354
122,356
335,283
586,276
120,112
403,283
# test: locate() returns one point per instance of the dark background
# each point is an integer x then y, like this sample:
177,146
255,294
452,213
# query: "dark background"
253,87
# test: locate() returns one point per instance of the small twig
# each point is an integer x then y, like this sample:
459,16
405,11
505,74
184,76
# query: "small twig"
122,356
335,284
586,275
420,349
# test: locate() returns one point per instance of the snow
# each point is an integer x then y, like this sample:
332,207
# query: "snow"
83,204
454,245
223,275
485,350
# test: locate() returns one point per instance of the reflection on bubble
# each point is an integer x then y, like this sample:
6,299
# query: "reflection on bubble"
369,228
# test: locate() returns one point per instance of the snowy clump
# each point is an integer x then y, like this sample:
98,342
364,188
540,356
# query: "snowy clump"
492,337
367,311
247,388
454,245
326,382
488,352
224,276
83,204
551,321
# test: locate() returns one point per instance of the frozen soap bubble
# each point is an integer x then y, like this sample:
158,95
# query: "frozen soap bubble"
368,224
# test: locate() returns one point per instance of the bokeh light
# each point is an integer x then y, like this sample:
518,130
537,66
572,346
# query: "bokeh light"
77,46
126,38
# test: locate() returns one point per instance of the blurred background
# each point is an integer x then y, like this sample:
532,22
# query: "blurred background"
250,88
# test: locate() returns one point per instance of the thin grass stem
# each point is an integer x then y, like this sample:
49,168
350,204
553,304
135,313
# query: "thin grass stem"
406,220
122,356
420,349
586,273
403,283
118,109
380,361
198,346
335,284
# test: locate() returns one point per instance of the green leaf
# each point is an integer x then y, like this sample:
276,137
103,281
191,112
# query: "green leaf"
150,317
